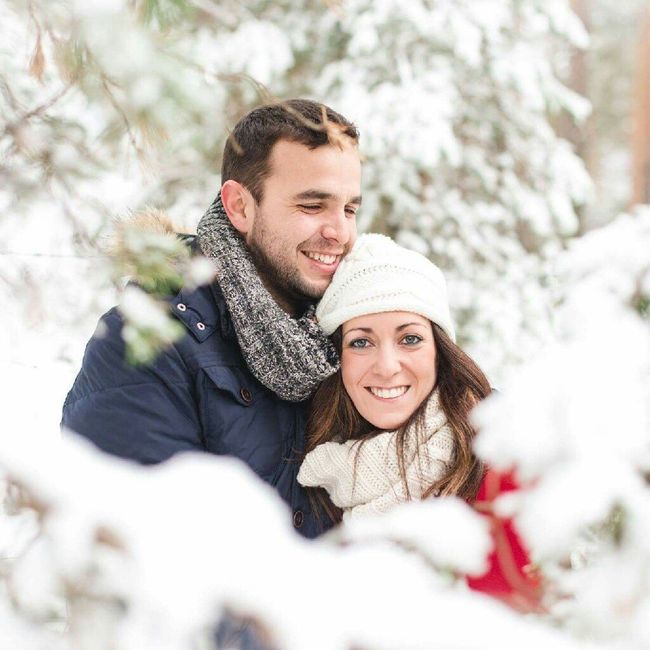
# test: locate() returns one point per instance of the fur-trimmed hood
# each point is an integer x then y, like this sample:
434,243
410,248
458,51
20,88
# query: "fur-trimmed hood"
147,221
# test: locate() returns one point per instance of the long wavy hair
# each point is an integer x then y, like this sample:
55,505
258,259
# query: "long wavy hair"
461,384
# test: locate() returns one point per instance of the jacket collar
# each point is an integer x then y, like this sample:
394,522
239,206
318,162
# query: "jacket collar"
203,310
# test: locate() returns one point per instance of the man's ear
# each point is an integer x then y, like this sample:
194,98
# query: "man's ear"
239,205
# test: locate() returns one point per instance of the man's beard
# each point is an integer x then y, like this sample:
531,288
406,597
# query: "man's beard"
279,276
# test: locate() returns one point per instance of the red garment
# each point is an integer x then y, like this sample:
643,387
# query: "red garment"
510,576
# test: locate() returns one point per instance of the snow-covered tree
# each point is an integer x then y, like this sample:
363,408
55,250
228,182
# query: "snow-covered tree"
133,574
113,105
463,163
575,422
607,75
575,425
129,104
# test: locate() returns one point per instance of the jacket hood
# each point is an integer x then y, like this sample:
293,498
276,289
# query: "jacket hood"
148,221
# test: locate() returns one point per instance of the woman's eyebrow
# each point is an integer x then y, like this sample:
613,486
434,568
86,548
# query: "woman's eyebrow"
368,330
365,330
401,327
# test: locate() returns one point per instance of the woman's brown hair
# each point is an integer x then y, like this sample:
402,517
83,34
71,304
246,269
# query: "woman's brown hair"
461,384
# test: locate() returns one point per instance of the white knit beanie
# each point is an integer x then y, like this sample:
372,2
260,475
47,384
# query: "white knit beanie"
378,275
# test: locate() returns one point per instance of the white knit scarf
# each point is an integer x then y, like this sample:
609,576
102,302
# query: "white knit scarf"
366,479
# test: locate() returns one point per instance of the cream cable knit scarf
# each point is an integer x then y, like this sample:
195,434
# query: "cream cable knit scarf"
372,482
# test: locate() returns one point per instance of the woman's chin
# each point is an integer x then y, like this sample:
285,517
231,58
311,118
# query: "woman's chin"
388,422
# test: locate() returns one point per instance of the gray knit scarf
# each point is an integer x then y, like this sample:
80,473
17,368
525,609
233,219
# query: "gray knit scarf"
290,356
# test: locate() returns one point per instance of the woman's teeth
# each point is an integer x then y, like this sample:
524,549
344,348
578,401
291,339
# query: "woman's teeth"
388,393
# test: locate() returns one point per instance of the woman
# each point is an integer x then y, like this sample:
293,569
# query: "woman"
393,424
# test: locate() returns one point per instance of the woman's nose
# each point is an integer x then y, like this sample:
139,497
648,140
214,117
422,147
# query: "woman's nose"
387,361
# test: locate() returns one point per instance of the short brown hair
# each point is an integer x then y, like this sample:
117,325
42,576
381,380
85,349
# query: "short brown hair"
248,149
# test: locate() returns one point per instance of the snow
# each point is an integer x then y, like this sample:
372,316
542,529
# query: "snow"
105,534
575,423
448,533
460,162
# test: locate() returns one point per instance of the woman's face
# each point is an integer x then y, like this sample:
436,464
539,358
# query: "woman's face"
388,365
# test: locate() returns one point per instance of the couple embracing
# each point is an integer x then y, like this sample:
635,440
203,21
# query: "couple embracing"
325,361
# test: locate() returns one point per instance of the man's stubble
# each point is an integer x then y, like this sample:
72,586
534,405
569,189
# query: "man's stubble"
277,268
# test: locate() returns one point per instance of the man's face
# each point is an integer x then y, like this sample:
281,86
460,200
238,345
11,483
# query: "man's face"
306,221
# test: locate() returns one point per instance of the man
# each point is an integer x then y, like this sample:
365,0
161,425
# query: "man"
238,382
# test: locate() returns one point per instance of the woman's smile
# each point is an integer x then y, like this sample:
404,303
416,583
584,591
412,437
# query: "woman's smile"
388,365
388,393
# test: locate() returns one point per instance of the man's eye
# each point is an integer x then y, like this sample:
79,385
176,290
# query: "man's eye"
359,344
351,211
412,339
312,207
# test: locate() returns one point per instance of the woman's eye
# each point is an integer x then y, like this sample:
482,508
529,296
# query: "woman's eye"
359,344
412,339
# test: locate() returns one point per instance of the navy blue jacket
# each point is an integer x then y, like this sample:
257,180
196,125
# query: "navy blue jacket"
198,395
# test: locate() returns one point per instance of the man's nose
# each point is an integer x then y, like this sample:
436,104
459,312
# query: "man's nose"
339,227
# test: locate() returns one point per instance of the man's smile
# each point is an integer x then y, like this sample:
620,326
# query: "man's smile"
325,262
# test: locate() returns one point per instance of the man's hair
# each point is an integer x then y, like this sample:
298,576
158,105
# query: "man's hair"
248,149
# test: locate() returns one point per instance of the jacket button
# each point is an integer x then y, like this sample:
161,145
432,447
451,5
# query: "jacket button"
181,307
298,518
200,326
246,395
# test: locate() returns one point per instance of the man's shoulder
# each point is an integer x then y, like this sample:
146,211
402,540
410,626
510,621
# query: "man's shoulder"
201,310
106,363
